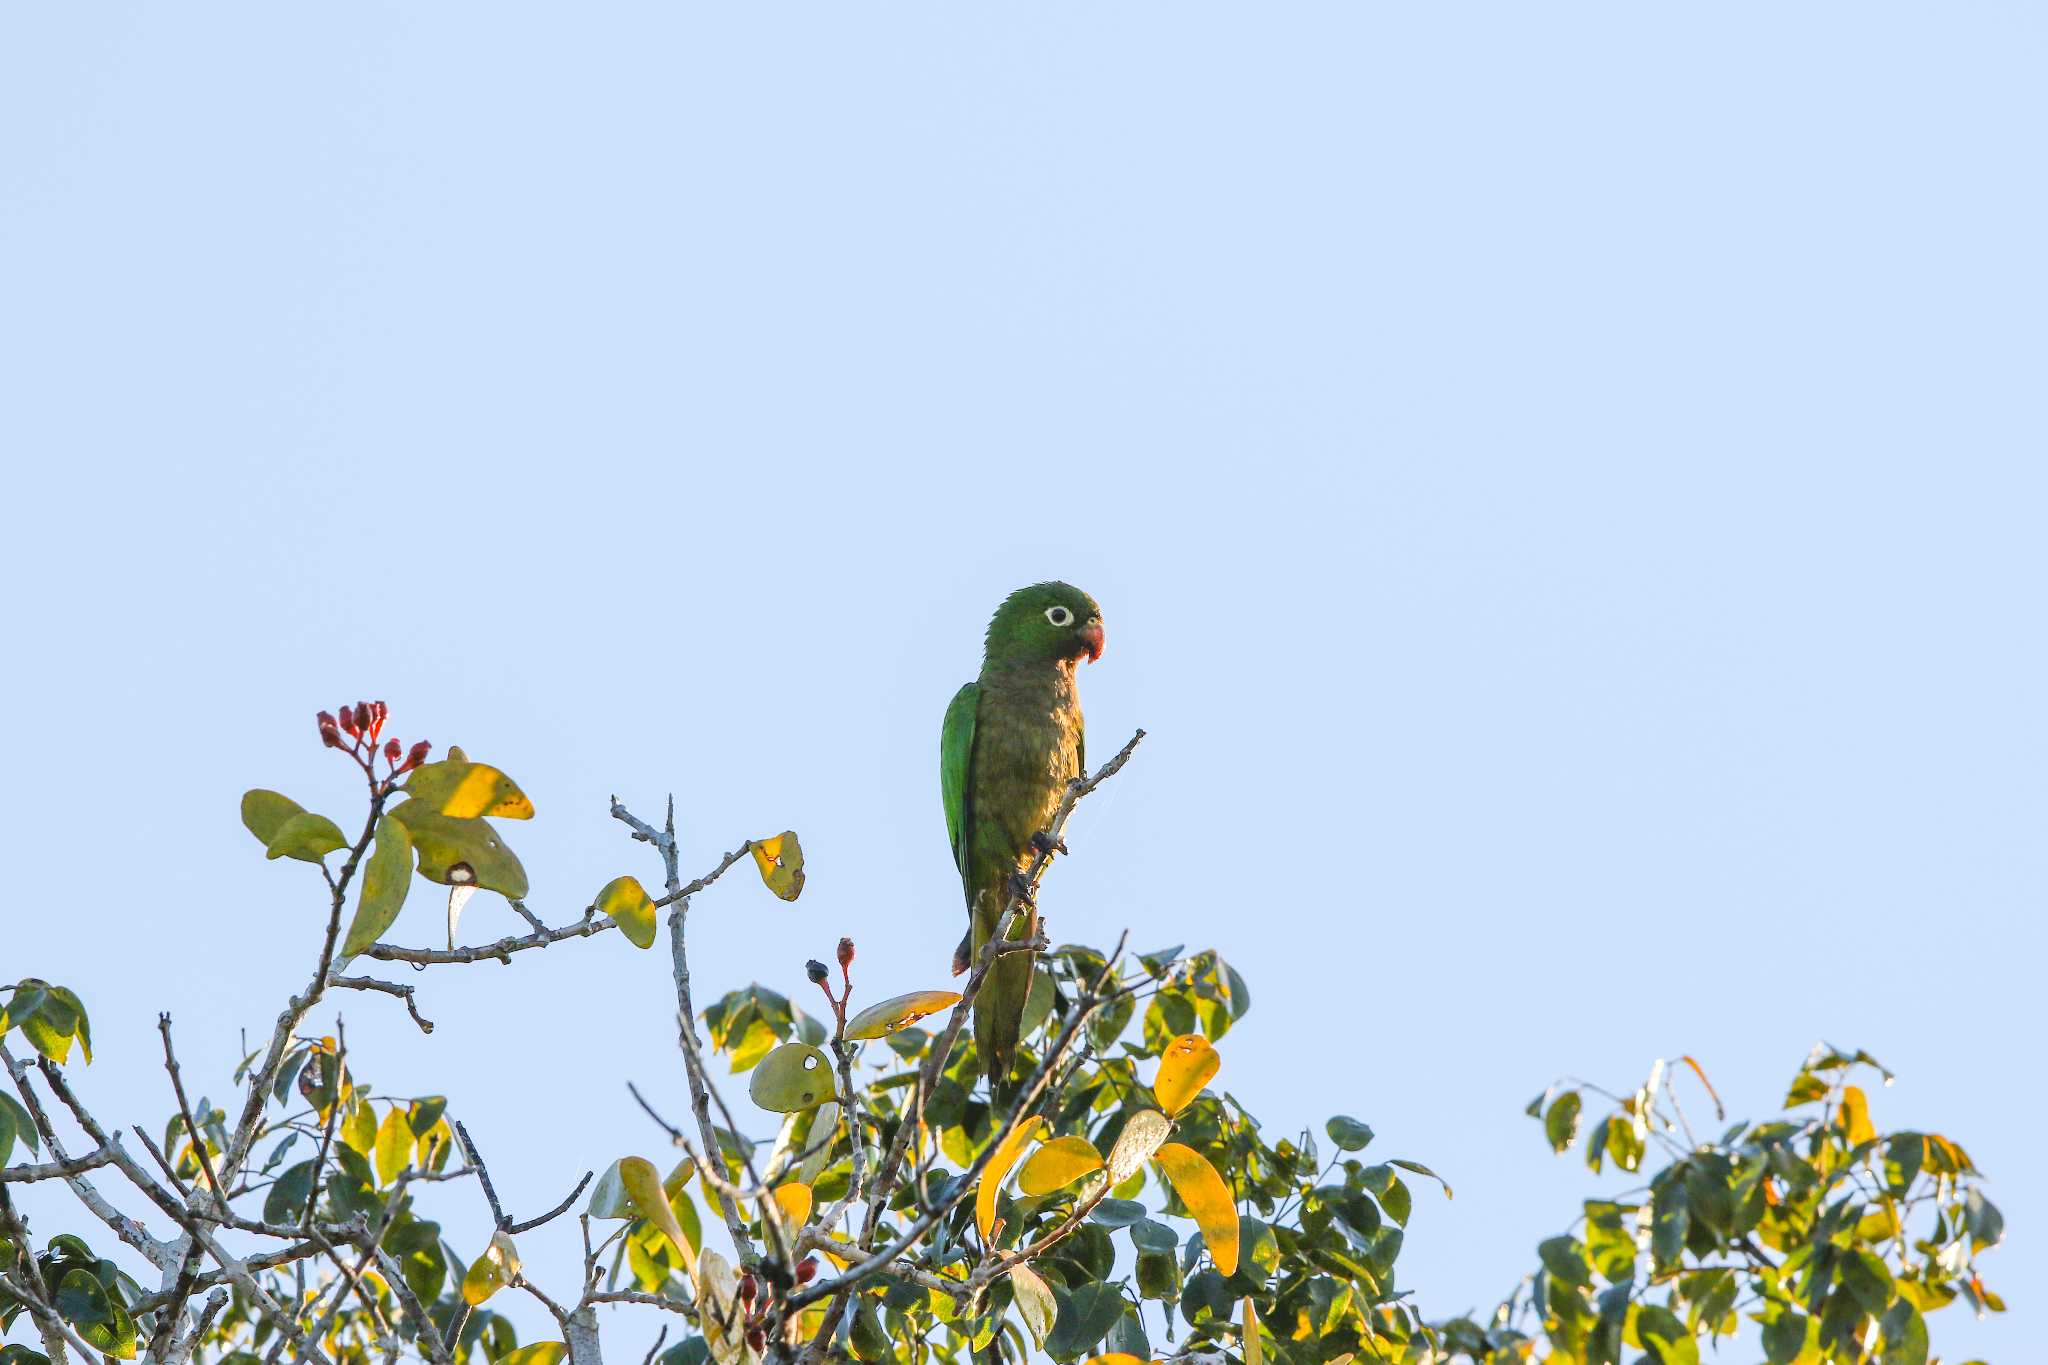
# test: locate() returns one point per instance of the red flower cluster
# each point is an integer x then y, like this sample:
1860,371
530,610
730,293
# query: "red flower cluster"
363,724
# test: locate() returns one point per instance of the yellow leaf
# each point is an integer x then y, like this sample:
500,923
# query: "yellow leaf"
645,1193
466,790
540,1353
1184,1068
1207,1198
1254,1339
898,1013
1114,1358
794,1199
1856,1125
999,1163
491,1271
394,1145
781,860
631,908
718,1290
359,1129
794,1076
1058,1163
1140,1138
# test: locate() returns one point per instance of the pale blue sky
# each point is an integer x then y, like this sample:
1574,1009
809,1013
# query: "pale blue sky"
1565,484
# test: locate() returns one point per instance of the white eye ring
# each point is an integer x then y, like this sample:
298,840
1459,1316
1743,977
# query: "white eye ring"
1059,616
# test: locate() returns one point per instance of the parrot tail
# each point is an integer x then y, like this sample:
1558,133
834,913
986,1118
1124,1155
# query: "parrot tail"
999,1012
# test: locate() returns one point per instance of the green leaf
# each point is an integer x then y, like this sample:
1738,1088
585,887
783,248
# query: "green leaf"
631,908
1348,1133
1085,1317
387,877
1785,1337
1421,1169
793,1077
285,1201
24,1125
264,813
306,837
98,1316
457,852
1905,1336
1561,1124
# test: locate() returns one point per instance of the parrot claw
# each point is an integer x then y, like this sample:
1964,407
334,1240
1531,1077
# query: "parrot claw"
1020,887
1048,845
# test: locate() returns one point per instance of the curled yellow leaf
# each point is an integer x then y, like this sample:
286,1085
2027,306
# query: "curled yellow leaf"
1207,1198
631,908
898,1013
1184,1068
794,1199
781,860
1058,1163
993,1174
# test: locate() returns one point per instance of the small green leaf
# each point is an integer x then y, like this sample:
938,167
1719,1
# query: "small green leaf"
1561,1124
306,837
264,813
1348,1133
98,1315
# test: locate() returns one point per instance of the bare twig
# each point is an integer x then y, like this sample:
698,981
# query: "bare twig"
371,983
556,1212
193,1136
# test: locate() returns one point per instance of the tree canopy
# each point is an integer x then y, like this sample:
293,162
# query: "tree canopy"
870,1197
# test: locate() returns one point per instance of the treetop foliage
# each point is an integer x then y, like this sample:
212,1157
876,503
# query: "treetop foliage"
870,1198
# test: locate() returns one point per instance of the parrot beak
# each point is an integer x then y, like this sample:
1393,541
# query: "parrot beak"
1091,635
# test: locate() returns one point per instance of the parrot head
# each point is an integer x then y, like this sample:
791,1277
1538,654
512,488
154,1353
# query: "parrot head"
1046,623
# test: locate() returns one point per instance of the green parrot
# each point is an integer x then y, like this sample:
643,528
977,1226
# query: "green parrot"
1011,743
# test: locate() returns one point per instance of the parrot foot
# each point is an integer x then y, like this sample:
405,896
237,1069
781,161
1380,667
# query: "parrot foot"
1048,845
1020,887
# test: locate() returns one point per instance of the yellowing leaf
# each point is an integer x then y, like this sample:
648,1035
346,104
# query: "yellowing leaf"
1035,1303
1140,1138
540,1353
1207,1198
794,1199
1856,1125
1184,1068
461,852
631,908
1114,1358
781,860
718,1290
1254,1339
465,790
394,1145
899,1013
359,1129
387,876
648,1199
491,1271
999,1163
608,1196
305,836
792,1077
1059,1162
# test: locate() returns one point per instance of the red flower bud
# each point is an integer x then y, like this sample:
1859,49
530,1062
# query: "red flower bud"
348,720
378,711
329,735
757,1339
391,749
748,1288
416,756
362,715
807,1270
845,953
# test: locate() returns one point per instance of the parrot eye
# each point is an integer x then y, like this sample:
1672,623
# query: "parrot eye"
1059,616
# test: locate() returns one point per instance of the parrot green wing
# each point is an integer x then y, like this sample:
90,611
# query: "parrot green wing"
956,754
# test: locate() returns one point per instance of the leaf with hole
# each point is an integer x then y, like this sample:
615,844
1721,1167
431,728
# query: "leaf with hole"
461,852
781,861
793,1077
492,1271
